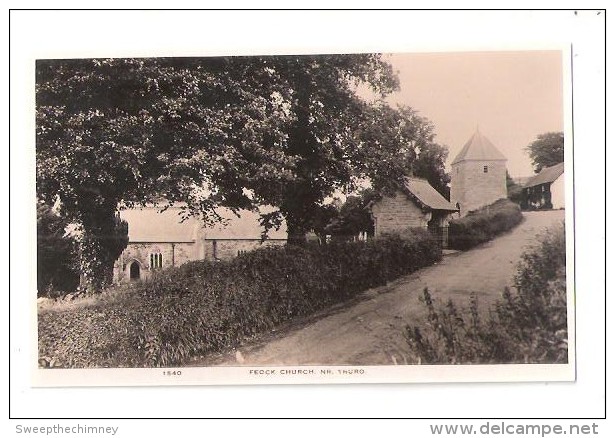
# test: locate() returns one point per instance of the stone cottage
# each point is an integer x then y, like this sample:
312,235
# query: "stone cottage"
545,189
416,204
162,239
478,176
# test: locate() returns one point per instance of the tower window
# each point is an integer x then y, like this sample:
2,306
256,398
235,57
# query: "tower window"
485,169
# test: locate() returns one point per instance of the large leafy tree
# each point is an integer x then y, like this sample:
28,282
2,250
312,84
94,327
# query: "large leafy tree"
326,137
136,130
547,150
234,132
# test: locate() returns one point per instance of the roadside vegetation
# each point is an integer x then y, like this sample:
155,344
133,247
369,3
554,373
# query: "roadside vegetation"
204,307
527,325
484,224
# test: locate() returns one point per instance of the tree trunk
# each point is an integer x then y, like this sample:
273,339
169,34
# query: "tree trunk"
95,264
104,238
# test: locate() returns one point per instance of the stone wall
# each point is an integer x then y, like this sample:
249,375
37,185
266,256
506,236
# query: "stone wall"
558,198
396,213
473,188
173,254
176,254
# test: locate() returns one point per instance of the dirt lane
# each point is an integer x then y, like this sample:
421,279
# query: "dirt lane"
369,331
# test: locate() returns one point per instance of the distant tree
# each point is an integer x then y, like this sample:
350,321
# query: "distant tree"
57,268
514,190
398,143
354,216
324,215
430,165
547,150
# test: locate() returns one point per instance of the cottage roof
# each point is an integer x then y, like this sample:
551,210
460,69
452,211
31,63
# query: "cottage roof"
479,148
149,224
546,175
427,195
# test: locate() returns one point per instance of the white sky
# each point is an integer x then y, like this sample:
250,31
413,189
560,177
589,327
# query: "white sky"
511,96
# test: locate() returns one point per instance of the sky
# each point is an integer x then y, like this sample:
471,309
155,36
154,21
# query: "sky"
511,96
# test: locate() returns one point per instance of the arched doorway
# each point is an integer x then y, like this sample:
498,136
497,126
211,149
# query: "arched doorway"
135,271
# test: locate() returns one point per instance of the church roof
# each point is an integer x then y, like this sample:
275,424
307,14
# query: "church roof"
427,195
149,225
247,226
546,175
479,148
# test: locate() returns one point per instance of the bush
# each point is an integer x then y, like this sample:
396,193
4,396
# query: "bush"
56,261
202,307
483,225
527,326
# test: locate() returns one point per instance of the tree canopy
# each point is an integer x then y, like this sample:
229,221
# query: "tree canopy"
235,132
547,150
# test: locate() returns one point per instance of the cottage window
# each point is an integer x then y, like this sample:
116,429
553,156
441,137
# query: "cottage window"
155,260
485,169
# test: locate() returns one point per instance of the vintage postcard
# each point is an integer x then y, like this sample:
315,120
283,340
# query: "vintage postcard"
304,218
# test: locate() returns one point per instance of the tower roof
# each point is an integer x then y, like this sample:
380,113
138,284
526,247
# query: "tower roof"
479,148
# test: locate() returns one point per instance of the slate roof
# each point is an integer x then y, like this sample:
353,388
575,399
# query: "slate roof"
149,225
546,175
245,227
427,195
479,148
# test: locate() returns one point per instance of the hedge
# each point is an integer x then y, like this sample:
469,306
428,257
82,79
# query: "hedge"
483,224
527,325
203,307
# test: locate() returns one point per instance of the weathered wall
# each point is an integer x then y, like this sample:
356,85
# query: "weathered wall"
472,188
173,254
395,213
558,200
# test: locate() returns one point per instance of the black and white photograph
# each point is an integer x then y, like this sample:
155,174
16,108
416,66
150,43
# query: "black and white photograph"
301,211
307,214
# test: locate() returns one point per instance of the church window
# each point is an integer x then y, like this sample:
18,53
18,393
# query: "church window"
155,260
485,169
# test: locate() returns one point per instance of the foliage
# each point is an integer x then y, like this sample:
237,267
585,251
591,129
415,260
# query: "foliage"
514,190
56,264
203,307
354,216
232,131
526,326
483,224
398,142
547,150
429,165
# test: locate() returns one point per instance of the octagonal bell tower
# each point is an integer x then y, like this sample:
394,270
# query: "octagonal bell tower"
478,175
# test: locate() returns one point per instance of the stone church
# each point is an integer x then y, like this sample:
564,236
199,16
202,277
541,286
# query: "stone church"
161,239
478,176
